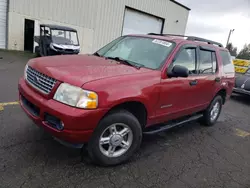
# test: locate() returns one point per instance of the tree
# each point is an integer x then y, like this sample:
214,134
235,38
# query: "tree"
244,53
232,49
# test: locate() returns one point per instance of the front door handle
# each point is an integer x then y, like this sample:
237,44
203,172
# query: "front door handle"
193,82
217,79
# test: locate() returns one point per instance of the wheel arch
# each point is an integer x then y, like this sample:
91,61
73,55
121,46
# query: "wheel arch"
223,94
135,107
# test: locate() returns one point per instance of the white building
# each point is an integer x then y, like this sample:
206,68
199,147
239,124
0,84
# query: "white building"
97,21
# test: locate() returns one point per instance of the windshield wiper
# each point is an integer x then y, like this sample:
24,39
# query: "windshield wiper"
126,62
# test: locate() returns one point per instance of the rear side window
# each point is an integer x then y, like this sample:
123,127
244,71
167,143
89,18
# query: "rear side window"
208,63
227,62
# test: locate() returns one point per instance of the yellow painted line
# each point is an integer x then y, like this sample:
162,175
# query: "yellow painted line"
242,133
2,105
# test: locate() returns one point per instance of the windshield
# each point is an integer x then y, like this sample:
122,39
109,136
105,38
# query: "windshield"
248,71
147,52
64,37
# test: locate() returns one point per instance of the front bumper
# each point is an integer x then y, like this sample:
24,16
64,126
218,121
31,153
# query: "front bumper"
64,52
241,91
79,124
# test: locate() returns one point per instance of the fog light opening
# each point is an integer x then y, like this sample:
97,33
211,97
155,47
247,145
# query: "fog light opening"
60,126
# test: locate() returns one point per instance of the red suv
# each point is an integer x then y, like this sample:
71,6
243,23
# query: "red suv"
135,85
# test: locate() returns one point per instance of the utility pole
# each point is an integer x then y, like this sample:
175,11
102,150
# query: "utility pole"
228,39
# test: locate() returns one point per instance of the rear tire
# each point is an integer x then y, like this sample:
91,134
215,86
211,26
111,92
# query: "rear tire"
117,137
212,113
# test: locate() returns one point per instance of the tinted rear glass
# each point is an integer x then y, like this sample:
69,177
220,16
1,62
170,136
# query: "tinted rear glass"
228,66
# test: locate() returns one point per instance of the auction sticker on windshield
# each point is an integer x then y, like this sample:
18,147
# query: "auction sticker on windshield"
162,42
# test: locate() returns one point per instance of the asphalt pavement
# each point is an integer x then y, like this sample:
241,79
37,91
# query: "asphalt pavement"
190,156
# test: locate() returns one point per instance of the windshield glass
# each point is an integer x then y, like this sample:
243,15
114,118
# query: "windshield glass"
64,37
147,52
248,71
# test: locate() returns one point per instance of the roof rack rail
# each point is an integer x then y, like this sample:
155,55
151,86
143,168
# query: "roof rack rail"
191,38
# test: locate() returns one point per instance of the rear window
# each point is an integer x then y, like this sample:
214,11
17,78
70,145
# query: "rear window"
228,66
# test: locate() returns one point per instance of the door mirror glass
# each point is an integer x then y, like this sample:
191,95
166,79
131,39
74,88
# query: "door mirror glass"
178,71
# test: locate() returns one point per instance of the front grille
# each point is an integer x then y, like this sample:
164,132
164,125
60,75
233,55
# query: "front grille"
40,81
69,50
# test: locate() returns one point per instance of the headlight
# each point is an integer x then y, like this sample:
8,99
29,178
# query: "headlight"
53,47
25,71
75,96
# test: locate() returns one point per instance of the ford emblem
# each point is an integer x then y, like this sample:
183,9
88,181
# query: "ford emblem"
36,79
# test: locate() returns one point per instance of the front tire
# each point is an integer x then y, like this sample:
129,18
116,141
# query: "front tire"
212,113
116,139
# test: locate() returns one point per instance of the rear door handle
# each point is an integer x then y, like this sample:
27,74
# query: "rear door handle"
217,79
193,82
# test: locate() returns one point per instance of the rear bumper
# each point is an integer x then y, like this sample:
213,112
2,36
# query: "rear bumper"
79,124
241,91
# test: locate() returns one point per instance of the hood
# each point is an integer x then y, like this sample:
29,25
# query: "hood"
80,69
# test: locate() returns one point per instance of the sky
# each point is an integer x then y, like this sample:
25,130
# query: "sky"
213,20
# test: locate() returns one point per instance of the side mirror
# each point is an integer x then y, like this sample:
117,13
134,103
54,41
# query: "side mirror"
178,71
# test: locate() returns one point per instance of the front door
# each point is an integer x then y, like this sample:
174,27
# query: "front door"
178,95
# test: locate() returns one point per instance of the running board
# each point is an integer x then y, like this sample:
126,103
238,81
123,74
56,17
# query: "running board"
170,125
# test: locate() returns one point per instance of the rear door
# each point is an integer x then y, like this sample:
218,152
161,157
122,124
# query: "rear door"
208,75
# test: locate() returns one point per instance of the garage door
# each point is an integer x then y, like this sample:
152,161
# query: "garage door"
3,23
136,22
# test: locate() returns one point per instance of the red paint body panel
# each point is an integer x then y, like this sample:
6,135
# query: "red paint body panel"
79,123
164,98
79,69
142,88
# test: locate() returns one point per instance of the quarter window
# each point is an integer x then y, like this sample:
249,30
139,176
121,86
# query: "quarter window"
187,58
228,66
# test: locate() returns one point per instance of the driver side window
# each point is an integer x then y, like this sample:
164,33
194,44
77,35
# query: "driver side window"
187,58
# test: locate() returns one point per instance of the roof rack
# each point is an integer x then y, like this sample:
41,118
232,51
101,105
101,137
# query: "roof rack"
191,38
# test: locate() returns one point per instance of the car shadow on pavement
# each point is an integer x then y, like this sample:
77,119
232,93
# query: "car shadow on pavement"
170,136
51,150
243,99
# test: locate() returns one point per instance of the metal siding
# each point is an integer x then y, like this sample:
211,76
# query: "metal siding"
3,23
171,26
101,20
159,8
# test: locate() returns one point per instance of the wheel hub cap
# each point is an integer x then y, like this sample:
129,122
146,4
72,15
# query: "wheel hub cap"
215,111
116,140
